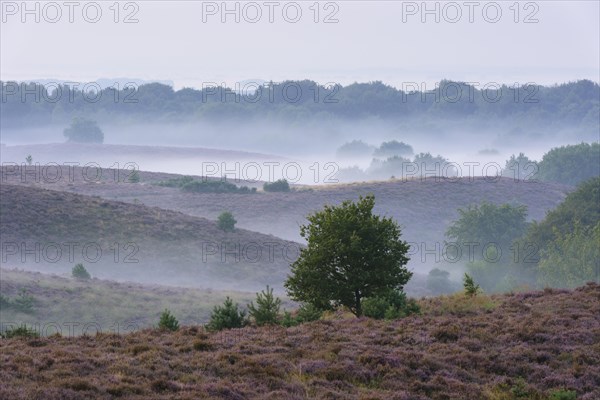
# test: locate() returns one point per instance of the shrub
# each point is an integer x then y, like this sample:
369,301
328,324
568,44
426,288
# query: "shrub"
561,394
471,289
24,302
168,321
392,304
21,331
227,316
288,320
80,272
267,310
308,312
280,185
134,177
84,131
226,221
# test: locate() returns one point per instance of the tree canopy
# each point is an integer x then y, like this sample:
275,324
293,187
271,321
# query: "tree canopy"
351,254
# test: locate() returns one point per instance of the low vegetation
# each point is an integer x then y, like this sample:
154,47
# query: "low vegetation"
532,345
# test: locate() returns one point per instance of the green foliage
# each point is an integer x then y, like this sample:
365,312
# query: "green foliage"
471,289
581,206
562,394
280,185
438,282
351,254
354,149
29,159
308,312
24,302
84,130
393,148
267,307
80,272
226,221
227,316
520,167
189,184
168,321
134,177
492,227
572,259
390,305
570,164
19,332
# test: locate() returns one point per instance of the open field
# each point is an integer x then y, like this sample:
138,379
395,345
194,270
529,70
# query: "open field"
103,305
517,346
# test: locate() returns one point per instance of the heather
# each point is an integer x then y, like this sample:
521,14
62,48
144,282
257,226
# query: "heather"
529,345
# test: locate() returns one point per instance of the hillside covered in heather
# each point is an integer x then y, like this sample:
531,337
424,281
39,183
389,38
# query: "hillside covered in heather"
531,345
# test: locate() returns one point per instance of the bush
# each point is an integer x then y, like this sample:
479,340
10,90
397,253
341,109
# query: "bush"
280,185
168,321
471,289
561,394
227,317
267,310
389,305
226,221
84,131
134,177
308,312
21,331
24,302
80,272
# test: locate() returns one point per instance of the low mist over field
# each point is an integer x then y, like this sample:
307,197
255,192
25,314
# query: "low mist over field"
286,200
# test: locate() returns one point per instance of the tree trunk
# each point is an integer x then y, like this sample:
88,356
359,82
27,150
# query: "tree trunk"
357,306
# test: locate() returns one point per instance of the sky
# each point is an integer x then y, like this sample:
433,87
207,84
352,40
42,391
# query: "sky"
196,43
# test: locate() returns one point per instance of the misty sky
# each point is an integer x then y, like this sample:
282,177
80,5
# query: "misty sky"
369,42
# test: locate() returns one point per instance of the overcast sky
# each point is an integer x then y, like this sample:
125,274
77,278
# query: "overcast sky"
188,43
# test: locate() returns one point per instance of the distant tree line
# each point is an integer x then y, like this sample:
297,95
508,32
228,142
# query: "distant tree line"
573,104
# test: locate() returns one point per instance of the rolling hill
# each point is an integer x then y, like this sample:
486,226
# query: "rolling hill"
51,230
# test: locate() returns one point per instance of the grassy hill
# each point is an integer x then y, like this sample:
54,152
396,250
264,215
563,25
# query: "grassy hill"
50,231
536,345
100,304
423,207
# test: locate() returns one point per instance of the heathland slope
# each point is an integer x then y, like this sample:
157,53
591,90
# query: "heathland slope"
521,346
75,306
423,207
52,230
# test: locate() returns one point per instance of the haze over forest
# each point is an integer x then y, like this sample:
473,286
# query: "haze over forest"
290,200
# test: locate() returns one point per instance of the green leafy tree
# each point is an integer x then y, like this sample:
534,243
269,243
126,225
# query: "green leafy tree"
168,321
84,130
520,167
572,259
471,288
438,282
570,164
226,221
393,148
80,272
493,228
351,254
227,316
354,149
581,206
280,185
29,159
267,307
